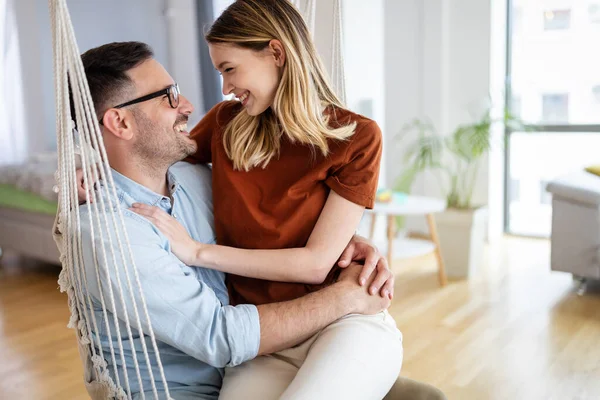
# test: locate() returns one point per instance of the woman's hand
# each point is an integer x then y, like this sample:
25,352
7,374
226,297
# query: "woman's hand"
182,245
361,249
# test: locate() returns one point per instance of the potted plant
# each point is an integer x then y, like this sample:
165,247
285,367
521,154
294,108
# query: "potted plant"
454,160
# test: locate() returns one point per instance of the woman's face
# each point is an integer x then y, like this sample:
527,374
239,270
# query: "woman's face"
252,76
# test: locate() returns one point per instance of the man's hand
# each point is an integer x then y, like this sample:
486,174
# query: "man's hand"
82,188
361,249
361,301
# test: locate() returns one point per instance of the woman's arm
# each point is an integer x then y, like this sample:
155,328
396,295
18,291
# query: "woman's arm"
310,264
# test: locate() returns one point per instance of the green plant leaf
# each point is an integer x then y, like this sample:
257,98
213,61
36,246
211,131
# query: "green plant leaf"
457,155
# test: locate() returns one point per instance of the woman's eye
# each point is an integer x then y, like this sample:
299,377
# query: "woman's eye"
228,69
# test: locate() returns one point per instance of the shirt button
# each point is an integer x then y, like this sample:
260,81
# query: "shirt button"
175,216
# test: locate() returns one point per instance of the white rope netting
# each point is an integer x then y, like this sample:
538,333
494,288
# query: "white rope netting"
337,53
107,229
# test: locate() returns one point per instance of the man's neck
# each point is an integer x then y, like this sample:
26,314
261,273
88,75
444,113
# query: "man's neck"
154,179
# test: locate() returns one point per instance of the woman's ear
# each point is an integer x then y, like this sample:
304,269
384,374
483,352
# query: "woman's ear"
278,52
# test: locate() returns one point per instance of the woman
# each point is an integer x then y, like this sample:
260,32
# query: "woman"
293,172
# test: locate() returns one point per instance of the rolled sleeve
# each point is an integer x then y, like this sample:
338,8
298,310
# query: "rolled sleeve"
243,332
184,311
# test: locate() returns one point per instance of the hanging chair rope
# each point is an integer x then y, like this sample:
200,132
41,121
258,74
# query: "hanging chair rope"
107,228
308,10
337,53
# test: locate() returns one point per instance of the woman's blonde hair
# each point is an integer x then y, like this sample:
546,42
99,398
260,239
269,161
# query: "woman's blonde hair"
303,93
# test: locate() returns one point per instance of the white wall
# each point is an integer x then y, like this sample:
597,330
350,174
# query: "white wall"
404,43
363,51
183,51
167,25
437,65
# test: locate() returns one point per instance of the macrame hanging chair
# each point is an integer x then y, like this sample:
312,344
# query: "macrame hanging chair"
84,148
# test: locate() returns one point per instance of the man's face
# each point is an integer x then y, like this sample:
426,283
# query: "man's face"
160,132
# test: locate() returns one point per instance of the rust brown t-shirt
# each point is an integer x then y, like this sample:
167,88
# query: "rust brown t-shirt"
277,207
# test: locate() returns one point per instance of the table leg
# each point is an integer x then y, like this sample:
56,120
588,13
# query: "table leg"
372,229
391,228
438,253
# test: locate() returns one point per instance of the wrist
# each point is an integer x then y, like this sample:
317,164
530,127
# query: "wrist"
200,254
345,298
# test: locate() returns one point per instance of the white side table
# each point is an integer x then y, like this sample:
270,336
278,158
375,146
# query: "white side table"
413,205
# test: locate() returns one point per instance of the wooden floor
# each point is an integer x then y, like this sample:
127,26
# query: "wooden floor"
516,331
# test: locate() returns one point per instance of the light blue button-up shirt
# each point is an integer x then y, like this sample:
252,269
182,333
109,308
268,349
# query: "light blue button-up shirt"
198,333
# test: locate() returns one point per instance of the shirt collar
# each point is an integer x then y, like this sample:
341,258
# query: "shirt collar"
140,193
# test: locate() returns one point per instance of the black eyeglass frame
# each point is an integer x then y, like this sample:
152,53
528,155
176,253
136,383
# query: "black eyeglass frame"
172,93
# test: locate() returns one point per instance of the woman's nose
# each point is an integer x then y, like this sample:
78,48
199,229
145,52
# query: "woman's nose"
227,87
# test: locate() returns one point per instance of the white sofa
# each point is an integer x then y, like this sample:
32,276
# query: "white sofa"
575,239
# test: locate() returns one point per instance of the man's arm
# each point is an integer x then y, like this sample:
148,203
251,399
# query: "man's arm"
283,325
184,312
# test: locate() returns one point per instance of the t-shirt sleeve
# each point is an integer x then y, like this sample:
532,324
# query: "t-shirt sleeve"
357,178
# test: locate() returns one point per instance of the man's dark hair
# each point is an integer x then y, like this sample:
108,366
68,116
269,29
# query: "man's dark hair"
106,66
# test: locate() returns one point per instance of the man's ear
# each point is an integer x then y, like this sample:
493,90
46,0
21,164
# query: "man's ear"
278,52
118,122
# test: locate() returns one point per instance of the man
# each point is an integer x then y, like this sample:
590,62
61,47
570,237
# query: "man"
144,123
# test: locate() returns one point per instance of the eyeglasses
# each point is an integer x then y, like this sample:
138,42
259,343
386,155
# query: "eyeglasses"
172,92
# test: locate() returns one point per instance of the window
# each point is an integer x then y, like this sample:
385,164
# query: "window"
557,20
555,108
535,159
515,192
517,21
515,106
554,86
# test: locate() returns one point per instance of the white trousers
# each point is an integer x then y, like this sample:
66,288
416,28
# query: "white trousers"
357,357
